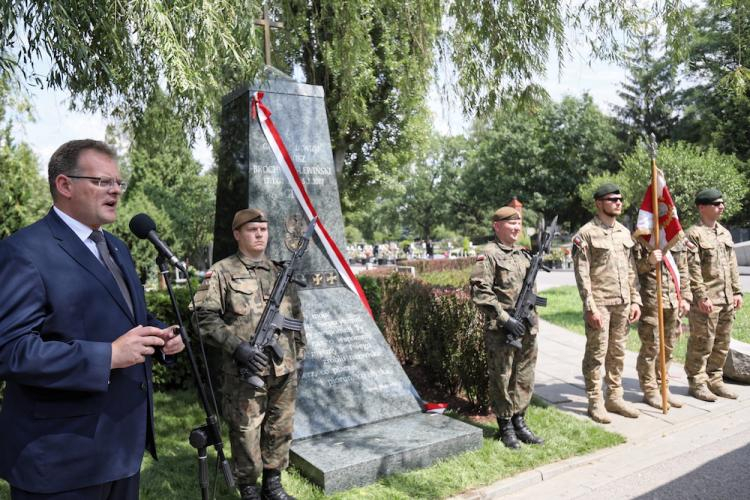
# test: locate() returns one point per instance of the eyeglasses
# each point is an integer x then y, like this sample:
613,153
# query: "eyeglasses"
614,199
103,182
717,203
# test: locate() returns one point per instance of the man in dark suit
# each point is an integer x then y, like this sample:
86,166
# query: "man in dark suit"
74,351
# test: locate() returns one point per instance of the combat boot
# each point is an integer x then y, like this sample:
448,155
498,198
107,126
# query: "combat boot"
522,430
249,492
621,407
722,390
597,411
673,400
272,489
701,392
652,398
507,433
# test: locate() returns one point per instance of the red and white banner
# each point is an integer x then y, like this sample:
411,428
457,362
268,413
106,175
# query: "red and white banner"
670,229
284,159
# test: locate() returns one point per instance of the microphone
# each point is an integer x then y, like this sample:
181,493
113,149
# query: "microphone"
144,227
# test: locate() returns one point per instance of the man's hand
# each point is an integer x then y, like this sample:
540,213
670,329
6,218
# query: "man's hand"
594,320
654,257
133,346
684,307
706,306
250,356
737,301
635,313
173,340
514,327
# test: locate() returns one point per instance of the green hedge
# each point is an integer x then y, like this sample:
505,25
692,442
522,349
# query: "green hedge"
179,375
437,328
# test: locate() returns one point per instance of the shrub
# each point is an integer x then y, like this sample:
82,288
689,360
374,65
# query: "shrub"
437,328
179,375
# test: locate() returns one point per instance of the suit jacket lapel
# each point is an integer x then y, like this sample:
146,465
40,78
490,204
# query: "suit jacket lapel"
74,247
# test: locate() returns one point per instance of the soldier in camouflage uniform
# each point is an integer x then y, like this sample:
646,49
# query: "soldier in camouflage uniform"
229,304
495,284
715,282
608,285
675,304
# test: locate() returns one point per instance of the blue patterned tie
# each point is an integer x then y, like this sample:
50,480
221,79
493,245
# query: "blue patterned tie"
101,245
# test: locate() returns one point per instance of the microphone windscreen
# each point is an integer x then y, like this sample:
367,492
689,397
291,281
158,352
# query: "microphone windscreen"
141,225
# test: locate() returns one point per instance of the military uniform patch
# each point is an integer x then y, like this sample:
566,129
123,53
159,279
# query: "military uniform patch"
578,241
690,245
206,278
480,258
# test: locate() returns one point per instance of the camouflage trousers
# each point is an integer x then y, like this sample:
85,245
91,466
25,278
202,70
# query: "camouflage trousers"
649,373
606,347
511,372
708,344
260,424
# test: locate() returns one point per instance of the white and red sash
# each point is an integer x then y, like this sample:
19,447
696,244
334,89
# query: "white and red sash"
263,114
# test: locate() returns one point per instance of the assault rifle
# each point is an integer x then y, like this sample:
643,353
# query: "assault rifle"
527,299
272,321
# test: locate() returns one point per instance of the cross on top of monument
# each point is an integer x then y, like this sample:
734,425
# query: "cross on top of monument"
267,24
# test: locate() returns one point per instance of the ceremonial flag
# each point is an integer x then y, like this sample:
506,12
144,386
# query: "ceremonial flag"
670,230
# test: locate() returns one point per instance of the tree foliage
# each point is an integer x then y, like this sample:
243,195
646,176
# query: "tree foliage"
375,72
374,58
688,168
114,55
539,156
431,187
716,108
24,195
649,93
165,178
499,49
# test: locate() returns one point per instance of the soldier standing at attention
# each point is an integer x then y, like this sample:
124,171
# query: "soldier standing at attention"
496,281
675,304
606,278
229,305
715,282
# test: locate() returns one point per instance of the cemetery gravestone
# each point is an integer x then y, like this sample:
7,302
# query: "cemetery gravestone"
358,415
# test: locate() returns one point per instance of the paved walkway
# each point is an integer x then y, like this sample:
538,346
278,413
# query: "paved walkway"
692,452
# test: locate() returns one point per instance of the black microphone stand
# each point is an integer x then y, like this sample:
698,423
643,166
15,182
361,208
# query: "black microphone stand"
208,434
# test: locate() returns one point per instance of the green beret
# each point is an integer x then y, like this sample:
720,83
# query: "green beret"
506,213
606,189
707,196
248,215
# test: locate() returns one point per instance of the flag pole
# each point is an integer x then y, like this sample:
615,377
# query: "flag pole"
659,305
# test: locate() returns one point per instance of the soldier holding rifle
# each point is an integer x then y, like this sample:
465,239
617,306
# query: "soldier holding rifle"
496,282
229,306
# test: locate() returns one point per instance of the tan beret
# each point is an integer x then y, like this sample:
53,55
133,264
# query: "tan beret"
248,215
506,213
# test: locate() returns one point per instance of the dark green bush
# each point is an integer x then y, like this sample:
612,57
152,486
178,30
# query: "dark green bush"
179,375
437,328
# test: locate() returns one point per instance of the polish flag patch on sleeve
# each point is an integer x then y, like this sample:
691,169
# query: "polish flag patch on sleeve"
207,277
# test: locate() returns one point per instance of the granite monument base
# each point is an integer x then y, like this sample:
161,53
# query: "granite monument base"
358,456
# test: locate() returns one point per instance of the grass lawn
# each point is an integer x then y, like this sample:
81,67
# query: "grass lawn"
564,309
174,475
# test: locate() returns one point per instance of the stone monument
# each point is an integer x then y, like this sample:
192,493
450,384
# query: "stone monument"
358,415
